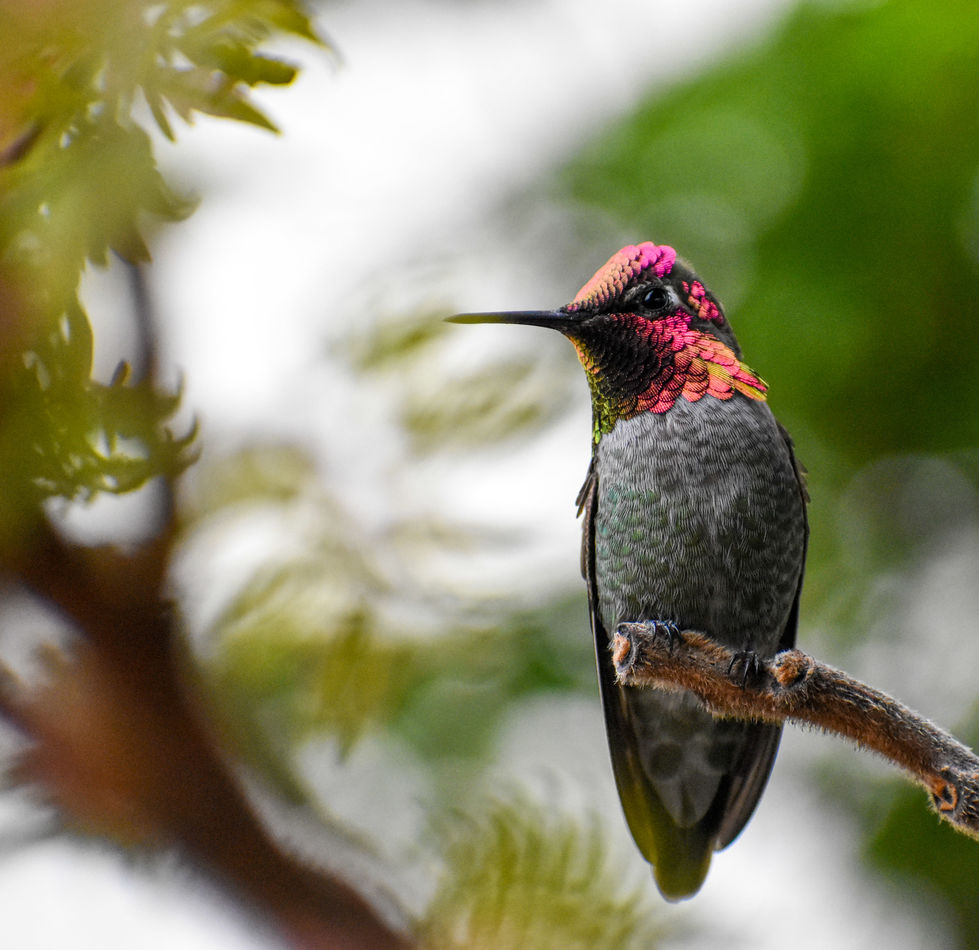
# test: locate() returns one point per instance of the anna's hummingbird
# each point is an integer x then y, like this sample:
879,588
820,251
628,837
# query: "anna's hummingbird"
694,518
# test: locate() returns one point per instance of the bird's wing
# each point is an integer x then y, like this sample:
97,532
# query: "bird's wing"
680,856
751,771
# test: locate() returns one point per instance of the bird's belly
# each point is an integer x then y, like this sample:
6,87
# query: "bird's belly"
699,520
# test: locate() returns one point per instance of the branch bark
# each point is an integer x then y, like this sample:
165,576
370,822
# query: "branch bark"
121,742
795,687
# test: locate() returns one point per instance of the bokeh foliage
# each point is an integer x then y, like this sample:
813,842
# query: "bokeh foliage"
524,875
826,183
79,182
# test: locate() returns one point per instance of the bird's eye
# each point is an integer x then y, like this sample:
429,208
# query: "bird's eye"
657,298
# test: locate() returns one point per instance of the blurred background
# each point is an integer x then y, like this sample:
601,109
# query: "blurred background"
376,560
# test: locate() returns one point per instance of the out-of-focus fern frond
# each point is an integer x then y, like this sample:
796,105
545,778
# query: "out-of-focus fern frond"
499,399
274,474
301,655
520,873
507,397
393,341
320,639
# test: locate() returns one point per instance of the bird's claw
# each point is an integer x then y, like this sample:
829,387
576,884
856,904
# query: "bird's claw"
660,629
749,663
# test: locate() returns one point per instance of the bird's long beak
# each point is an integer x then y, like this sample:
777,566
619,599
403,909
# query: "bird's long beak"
558,319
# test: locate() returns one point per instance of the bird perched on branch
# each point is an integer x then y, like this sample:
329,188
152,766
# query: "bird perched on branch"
694,518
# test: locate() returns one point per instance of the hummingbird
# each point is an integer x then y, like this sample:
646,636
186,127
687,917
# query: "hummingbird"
694,517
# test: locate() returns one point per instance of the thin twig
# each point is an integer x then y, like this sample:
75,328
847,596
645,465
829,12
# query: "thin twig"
794,686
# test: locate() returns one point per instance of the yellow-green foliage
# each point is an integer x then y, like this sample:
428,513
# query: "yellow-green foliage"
78,180
523,873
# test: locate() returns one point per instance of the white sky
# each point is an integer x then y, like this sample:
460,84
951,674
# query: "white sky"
395,158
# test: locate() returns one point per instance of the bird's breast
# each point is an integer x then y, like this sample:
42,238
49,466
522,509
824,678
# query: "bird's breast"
699,520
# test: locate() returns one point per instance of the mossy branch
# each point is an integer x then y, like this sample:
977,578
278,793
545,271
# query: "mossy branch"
795,687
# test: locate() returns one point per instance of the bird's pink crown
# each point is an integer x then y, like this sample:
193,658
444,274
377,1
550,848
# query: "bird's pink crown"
622,268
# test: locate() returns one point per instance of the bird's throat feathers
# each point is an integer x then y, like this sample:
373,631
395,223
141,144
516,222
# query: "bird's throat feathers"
687,365
637,362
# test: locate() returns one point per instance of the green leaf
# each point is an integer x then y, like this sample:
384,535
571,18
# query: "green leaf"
236,59
63,435
200,89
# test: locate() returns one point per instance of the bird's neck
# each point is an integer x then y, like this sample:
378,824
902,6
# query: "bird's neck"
649,370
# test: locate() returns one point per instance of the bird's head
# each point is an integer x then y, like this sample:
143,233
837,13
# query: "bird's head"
647,332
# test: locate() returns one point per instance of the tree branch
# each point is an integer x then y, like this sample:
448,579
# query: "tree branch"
122,743
794,686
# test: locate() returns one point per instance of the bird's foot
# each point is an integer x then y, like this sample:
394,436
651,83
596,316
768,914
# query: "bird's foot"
660,629
749,664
